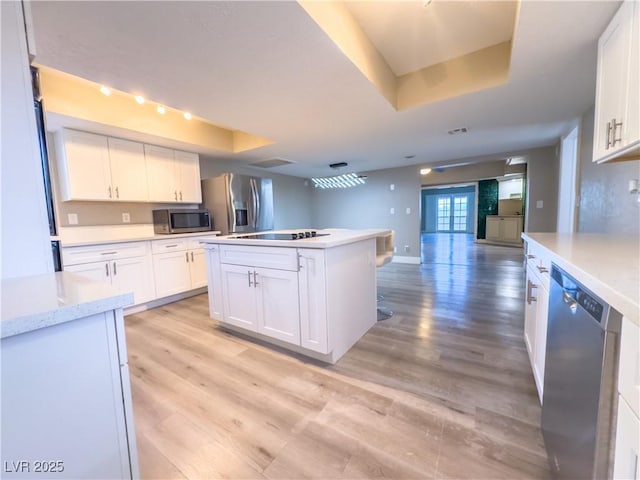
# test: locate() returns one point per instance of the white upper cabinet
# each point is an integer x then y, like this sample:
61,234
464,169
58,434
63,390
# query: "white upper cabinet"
160,174
98,168
173,176
128,166
188,174
616,129
83,166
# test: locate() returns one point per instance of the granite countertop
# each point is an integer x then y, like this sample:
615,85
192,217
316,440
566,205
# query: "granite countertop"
31,303
335,238
137,239
608,265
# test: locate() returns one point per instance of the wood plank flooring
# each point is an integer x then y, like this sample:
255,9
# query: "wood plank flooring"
443,389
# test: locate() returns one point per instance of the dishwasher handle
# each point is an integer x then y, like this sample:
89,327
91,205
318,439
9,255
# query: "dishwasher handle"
568,299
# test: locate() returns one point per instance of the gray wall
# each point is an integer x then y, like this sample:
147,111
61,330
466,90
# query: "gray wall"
606,206
542,185
291,195
368,206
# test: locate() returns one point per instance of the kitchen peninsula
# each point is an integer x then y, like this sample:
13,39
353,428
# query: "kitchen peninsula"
313,295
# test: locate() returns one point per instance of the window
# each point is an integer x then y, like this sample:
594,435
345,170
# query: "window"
459,214
444,212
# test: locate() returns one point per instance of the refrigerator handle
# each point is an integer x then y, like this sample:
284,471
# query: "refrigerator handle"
256,203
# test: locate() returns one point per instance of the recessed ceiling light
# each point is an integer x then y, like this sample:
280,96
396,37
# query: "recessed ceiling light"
187,115
105,90
425,171
161,110
139,99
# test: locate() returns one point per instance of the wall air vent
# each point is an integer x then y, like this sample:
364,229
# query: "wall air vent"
272,162
338,165
457,131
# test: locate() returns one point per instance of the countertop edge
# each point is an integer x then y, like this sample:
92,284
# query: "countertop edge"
628,307
64,244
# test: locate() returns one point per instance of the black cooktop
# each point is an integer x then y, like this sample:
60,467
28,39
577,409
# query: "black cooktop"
283,236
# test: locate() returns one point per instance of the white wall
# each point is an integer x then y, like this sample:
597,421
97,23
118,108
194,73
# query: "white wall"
26,246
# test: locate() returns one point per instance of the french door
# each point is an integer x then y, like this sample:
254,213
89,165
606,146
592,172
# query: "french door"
452,213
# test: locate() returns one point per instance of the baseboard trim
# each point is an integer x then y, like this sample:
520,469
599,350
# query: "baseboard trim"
410,260
158,302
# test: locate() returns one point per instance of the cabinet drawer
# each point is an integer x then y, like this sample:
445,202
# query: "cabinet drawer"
96,253
169,245
539,261
629,370
268,257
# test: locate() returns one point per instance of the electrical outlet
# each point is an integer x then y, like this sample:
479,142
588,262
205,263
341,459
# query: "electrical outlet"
72,218
408,211
126,218
407,248
395,249
539,204
392,211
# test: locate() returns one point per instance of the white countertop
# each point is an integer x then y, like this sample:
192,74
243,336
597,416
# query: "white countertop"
608,265
335,238
31,303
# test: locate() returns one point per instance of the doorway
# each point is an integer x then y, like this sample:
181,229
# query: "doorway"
567,184
448,210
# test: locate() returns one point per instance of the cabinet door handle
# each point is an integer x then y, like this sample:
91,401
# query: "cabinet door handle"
110,191
255,279
542,269
249,277
608,136
530,256
106,268
530,287
117,193
192,256
180,195
186,254
175,195
108,253
614,139
115,270
171,246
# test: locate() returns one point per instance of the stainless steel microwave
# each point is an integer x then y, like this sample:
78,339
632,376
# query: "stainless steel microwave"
183,220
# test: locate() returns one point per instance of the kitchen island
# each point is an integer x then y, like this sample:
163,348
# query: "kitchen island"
315,296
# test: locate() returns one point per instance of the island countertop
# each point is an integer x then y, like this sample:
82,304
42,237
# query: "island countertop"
608,265
31,303
332,237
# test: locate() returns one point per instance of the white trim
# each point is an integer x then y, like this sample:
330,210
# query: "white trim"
401,259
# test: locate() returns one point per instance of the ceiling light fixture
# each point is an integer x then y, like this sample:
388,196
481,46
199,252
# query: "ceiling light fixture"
139,99
425,171
339,181
161,110
187,116
105,90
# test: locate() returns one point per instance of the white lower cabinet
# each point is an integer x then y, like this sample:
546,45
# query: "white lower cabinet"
66,401
627,453
125,266
313,300
172,273
214,277
198,268
262,300
504,229
536,315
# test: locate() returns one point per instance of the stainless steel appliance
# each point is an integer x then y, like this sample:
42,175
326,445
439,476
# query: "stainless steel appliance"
239,203
579,408
284,236
181,220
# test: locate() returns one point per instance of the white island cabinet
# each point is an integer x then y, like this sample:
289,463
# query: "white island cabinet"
66,399
315,296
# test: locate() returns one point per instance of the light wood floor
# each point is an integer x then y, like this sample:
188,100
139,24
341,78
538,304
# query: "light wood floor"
443,389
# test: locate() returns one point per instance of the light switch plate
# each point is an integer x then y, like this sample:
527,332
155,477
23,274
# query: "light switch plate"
392,211
72,218
126,218
392,187
408,211
539,204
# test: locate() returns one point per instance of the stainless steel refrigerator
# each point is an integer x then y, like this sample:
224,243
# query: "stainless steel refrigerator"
239,203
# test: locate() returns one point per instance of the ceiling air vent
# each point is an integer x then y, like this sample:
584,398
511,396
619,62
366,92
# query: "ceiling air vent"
457,131
272,162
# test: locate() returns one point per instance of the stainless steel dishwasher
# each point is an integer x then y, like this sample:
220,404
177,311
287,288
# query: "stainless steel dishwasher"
580,381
